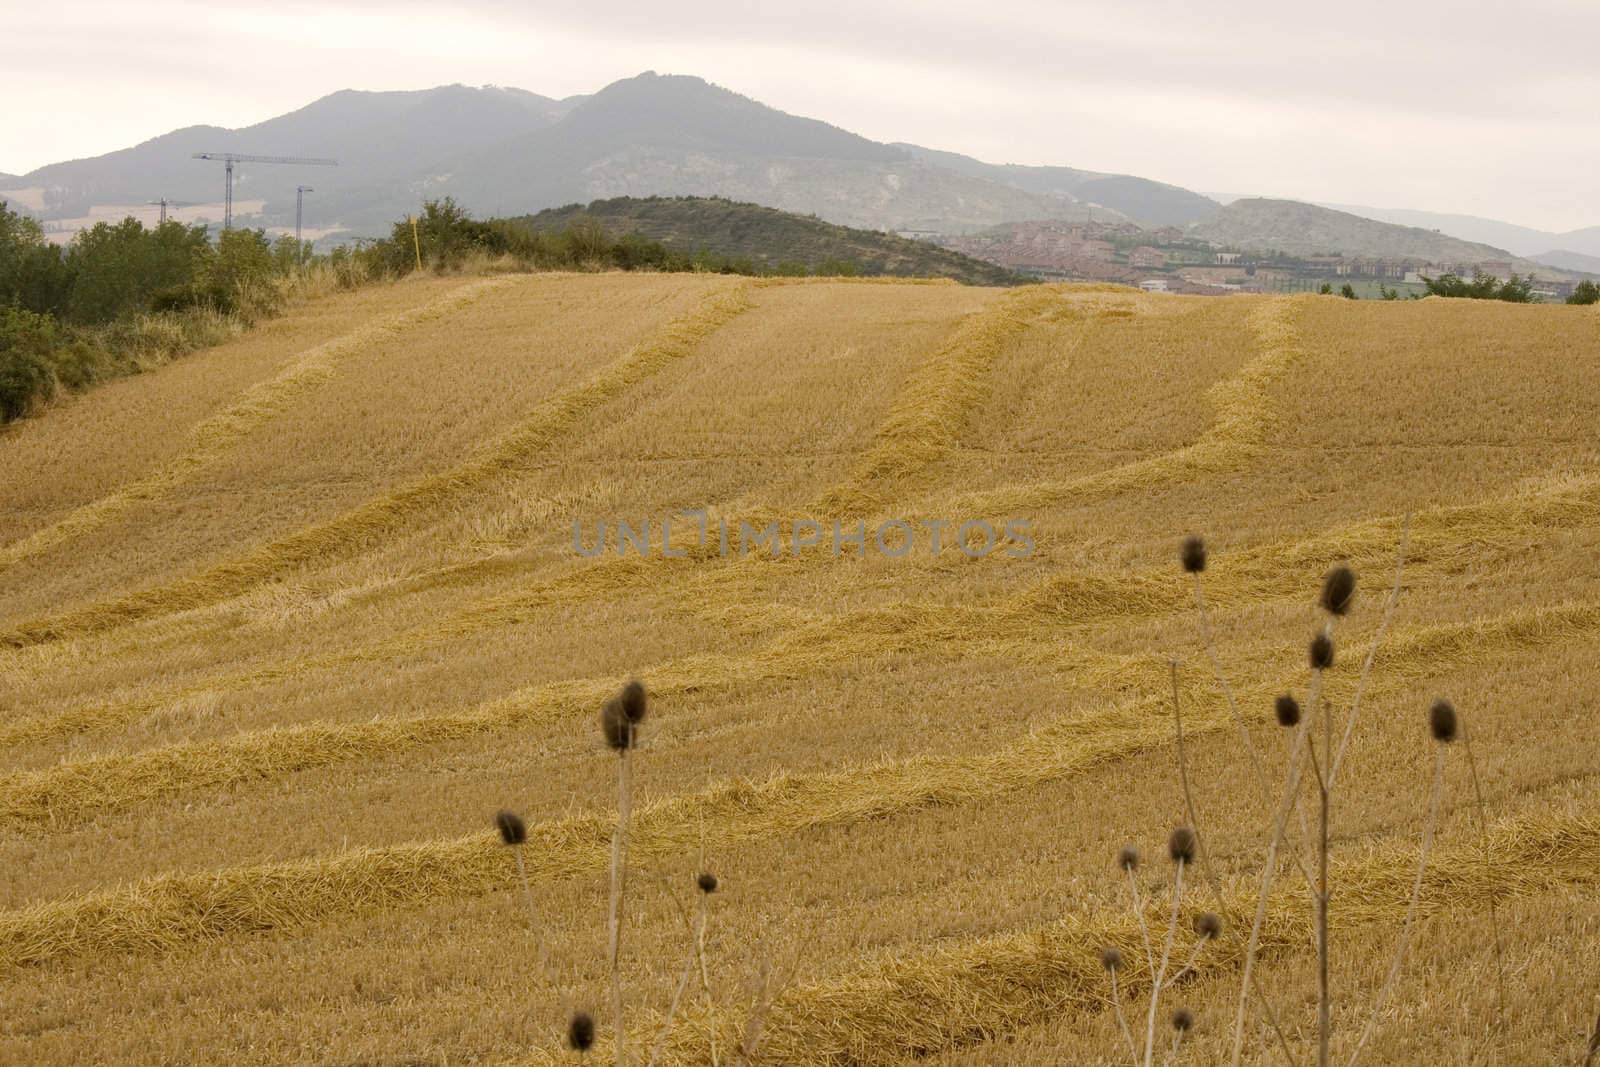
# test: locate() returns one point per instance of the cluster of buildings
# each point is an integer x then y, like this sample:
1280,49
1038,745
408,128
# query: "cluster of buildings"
1169,261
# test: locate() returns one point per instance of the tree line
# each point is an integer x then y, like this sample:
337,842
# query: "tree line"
122,295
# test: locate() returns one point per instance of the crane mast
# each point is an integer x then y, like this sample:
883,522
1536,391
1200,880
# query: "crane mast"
230,158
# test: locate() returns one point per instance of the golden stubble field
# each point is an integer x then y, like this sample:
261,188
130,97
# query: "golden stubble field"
284,624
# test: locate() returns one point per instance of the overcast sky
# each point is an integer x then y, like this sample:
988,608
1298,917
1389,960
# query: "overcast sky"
1492,109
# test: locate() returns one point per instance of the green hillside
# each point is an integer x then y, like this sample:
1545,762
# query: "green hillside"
771,239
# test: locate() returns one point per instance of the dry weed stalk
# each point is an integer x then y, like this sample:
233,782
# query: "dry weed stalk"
1182,1023
1444,724
1111,960
1494,910
514,833
1336,598
707,884
1181,847
620,717
767,990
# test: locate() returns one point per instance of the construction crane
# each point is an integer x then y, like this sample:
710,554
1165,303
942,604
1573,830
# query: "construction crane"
230,158
300,192
165,203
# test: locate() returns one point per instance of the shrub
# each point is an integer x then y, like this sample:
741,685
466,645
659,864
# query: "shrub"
27,373
1515,289
1585,293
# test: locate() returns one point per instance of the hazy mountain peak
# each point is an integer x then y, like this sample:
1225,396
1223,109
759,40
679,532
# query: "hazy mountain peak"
682,109
1271,225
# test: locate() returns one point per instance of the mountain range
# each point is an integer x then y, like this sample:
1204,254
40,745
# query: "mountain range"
502,151
1298,229
1539,245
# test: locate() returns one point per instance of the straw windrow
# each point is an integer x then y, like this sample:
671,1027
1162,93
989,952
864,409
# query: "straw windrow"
421,499
62,796
1243,419
214,438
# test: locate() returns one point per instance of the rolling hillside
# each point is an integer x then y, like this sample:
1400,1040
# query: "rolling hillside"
372,134
1520,240
1148,202
507,151
271,662
1306,230
770,238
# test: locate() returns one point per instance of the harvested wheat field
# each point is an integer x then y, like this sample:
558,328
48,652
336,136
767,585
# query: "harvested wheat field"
284,625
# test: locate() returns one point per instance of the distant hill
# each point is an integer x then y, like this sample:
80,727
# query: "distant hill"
507,151
1519,240
502,151
672,135
769,237
1307,230
371,134
1144,201
1568,260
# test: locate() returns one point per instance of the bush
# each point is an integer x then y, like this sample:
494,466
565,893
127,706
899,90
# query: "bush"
1585,293
116,270
1516,289
27,375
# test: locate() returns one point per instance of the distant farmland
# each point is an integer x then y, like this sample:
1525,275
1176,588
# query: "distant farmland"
285,623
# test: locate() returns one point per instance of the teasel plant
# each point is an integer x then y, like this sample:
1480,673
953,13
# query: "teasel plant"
1321,763
580,1034
1181,850
514,834
620,719
706,884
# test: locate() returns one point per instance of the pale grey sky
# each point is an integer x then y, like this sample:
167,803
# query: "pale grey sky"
1486,108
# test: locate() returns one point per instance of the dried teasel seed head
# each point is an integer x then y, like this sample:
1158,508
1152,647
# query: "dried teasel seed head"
1338,590
1193,554
1183,1020
1128,858
1288,710
614,725
1321,653
1181,845
707,882
634,701
513,831
1443,722
1110,958
1208,924
580,1032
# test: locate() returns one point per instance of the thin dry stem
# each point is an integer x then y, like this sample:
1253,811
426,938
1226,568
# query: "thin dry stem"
1411,909
1144,927
1291,786
711,1004
535,926
1324,992
750,1043
1227,687
619,866
1494,910
1372,653
1122,1019
1206,869
1161,974
697,938
1172,1053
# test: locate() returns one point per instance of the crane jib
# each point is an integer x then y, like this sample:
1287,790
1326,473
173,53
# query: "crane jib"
230,158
